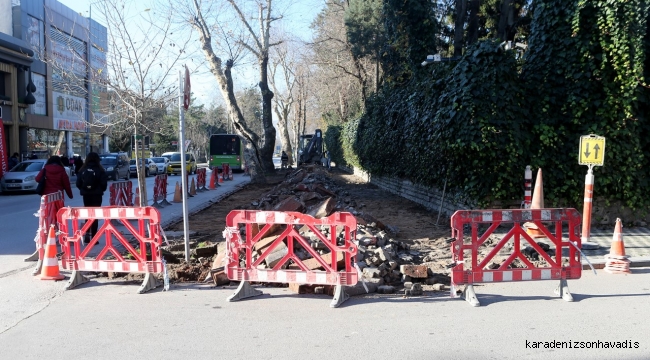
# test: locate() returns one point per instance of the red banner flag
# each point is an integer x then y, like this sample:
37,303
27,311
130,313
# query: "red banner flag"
187,89
4,160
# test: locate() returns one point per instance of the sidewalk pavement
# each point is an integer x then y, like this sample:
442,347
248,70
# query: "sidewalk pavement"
637,247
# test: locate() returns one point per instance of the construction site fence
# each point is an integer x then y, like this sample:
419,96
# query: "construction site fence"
131,238
50,204
474,257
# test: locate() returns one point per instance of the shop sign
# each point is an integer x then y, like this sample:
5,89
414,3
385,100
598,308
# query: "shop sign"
69,112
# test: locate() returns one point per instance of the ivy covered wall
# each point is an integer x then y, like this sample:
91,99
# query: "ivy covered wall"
478,122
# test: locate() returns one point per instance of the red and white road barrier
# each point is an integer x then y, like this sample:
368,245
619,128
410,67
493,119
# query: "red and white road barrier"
480,268
144,258
226,171
160,191
121,193
289,225
201,179
46,214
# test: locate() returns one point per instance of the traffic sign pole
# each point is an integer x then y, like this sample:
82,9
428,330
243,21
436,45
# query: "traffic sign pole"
590,153
586,211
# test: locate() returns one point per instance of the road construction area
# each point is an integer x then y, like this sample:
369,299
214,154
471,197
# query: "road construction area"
398,302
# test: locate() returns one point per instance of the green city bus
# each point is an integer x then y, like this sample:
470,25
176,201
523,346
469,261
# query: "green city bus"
226,148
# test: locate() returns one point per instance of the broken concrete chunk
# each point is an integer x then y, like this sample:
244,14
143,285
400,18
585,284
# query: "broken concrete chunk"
392,265
278,253
383,254
289,204
414,271
371,272
358,289
386,289
323,209
309,196
415,290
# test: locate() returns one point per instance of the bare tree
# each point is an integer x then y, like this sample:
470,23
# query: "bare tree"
259,46
223,74
342,78
301,95
135,78
141,62
282,70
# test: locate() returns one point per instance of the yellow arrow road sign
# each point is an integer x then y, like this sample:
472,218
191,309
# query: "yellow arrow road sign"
592,150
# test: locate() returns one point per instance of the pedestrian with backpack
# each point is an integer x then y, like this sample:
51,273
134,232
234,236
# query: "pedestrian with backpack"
92,181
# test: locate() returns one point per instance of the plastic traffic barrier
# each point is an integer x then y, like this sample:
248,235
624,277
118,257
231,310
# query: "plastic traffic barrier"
144,258
479,268
201,180
226,171
121,193
46,214
160,191
283,235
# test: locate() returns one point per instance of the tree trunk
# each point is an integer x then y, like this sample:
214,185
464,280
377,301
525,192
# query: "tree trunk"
268,144
282,113
459,27
142,182
472,28
505,19
224,79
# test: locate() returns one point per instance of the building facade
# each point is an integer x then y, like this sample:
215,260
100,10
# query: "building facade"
60,55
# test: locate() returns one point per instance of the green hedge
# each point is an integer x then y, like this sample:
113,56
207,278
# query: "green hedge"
480,121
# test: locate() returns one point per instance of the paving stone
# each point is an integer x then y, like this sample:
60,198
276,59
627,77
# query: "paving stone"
371,272
289,204
415,290
358,289
414,271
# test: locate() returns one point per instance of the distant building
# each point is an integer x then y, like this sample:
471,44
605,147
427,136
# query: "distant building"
59,55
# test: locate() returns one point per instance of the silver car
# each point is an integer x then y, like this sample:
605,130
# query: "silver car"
150,169
161,163
22,177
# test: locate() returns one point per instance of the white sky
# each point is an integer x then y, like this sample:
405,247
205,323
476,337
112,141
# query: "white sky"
297,19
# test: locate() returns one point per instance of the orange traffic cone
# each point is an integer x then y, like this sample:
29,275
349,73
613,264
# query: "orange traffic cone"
537,203
50,270
221,177
213,179
177,194
193,188
617,262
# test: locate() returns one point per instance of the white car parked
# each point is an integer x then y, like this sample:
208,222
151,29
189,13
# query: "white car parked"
161,163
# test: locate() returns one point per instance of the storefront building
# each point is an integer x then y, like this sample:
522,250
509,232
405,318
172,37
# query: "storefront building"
67,49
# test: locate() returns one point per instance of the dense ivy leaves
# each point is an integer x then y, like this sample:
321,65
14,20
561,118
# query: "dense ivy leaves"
584,74
478,122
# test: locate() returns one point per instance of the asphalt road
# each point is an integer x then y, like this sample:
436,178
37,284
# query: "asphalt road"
108,319
19,223
21,294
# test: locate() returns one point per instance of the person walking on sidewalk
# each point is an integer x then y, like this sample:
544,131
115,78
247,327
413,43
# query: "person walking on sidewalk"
56,178
78,163
92,181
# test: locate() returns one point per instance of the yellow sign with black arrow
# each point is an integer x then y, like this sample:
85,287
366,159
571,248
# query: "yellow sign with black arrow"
592,150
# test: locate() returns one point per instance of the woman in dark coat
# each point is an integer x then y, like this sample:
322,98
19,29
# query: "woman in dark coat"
92,193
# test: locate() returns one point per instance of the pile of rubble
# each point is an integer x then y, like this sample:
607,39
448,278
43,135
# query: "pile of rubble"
387,265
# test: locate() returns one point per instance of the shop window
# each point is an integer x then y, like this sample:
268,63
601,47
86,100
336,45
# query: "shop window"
4,92
46,142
